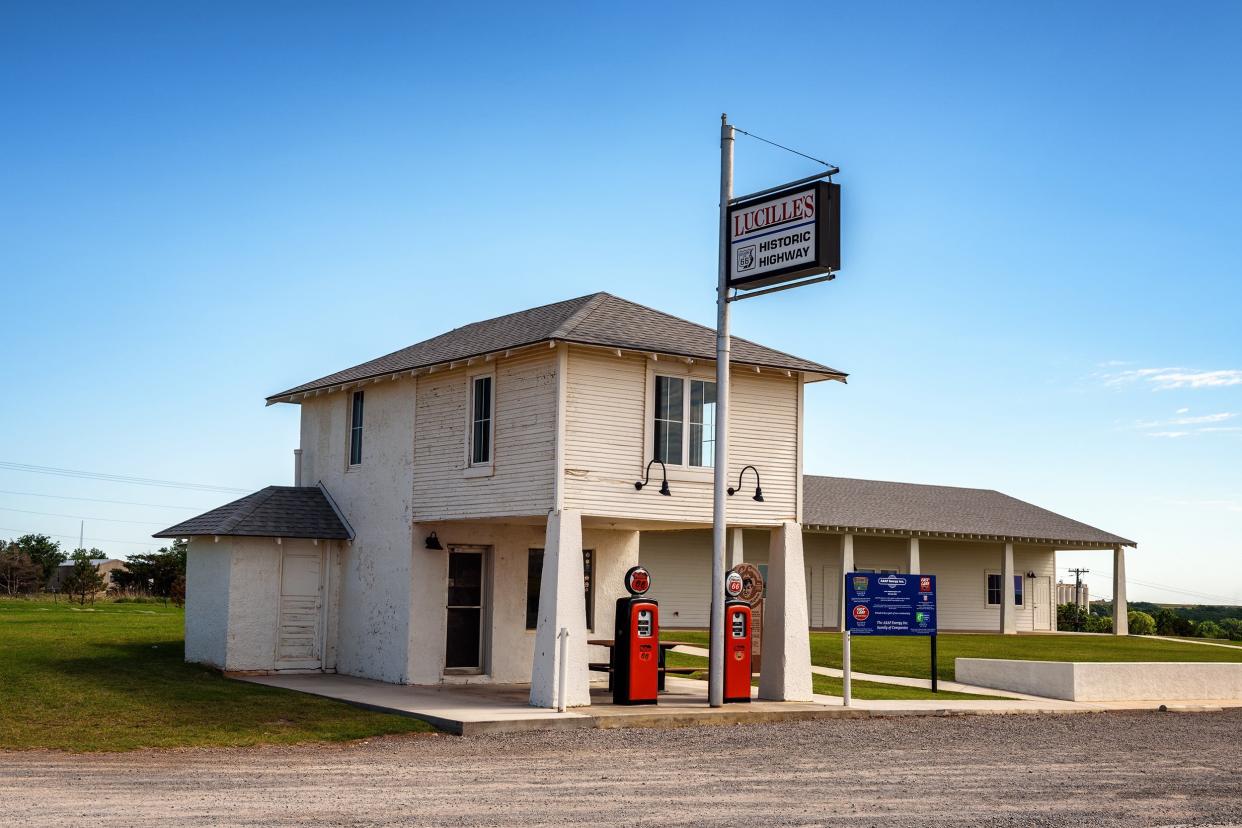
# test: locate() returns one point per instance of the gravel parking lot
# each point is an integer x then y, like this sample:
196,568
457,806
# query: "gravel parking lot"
1087,769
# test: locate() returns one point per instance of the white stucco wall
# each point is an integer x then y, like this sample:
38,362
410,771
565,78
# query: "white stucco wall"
207,569
254,602
372,627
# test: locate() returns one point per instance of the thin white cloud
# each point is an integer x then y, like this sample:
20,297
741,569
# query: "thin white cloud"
1170,434
1181,411
1203,418
1221,428
1166,379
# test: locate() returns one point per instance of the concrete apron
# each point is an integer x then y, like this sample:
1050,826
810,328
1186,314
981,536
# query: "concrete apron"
504,708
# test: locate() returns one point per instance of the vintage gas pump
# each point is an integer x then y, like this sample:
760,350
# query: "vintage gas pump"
636,648
737,642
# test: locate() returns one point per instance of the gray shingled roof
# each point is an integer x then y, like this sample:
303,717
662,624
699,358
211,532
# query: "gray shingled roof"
598,319
274,512
876,505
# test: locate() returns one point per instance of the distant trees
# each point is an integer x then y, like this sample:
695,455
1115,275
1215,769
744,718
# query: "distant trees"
1169,622
19,574
160,574
1141,623
1073,618
44,552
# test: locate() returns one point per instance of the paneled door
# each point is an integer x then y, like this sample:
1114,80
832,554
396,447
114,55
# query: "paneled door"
299,635
1041,603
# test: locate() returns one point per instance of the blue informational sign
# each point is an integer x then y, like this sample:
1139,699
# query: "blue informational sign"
878,604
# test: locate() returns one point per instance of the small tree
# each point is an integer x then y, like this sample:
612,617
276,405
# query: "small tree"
43,551
1209,629
1071,618
83,581
1099,623
1141,623
19,574
1169,622
1232,628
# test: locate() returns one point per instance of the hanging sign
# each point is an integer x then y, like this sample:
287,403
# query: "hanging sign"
785,236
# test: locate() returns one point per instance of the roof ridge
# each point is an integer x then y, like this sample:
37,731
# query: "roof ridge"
907,483
594,300
260,497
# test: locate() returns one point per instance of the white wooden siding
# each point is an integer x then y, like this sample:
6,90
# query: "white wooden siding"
606,442
523,449
680,564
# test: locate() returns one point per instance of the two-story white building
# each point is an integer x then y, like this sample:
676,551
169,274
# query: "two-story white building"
458,502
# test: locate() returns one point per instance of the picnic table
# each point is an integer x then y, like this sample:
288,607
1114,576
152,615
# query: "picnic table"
665,646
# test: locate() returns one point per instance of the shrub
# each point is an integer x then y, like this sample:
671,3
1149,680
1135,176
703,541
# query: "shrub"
1141,623
1232,628
1099,623
1071,618
1209,629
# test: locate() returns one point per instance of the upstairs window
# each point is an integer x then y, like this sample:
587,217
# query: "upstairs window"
685,422
355,429
481,417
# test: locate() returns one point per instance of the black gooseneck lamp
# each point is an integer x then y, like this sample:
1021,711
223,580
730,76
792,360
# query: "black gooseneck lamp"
758,489
433,542
664,490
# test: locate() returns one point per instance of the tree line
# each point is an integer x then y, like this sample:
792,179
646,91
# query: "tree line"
29,563
1153,619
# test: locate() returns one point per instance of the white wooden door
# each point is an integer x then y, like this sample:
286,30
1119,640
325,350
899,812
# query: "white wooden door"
1041,604
299,635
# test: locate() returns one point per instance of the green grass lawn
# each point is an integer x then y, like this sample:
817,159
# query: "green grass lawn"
908,656
829,686
112,677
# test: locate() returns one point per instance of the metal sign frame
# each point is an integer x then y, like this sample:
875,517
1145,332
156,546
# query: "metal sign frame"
826,235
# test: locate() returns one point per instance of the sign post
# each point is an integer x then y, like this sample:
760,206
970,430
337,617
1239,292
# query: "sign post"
878,604
768,241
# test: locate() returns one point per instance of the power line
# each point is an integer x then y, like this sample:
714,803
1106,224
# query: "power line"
81,517
785,148
1192,593
100,500
117,478
75,537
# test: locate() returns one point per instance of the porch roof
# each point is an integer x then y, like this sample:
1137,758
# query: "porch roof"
844,504
273,512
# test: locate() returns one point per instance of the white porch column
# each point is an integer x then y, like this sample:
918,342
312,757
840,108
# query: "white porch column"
847,566
786,671
562,603
735,547
915,564
1121,607
1009,609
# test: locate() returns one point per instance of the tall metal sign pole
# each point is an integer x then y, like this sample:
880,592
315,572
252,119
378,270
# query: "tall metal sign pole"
715,683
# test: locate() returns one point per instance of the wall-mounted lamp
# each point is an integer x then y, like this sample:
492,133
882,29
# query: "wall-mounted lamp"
433,542
664,490
758,489
1030,575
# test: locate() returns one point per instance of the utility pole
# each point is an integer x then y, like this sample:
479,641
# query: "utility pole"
1078,573
715,676
82,535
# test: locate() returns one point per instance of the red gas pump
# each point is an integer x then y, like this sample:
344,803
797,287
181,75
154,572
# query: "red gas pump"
737,642
636,645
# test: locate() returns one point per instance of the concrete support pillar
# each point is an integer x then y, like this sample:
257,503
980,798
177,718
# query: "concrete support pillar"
847,566
915,563
562,603
736,555
1009,609
786,671
1121,607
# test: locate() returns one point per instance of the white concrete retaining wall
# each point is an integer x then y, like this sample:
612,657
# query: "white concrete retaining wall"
1105,681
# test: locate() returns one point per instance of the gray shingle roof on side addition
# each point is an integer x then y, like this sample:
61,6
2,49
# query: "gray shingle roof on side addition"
875,505
274,512
598,319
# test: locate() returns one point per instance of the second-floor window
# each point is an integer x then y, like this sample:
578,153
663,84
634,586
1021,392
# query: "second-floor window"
685,422
481,416
355,429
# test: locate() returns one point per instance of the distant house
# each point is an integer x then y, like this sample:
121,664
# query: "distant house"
104,566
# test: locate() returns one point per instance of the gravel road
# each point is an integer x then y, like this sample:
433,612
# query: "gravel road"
1128,769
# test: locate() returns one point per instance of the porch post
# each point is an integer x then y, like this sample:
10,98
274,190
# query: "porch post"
1121,607
786,671
847,566
736,555
1009,609
562,603
915,564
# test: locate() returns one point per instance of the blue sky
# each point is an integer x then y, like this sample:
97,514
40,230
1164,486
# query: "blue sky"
202,205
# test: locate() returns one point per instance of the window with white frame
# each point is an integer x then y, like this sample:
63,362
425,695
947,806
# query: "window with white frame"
994,589
482,408
685,422
355,429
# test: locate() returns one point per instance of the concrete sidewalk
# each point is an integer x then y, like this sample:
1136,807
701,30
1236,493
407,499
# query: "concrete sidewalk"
498,708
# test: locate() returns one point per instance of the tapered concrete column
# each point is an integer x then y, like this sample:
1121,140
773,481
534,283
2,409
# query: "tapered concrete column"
1121,607
786,671
1009,609
915,563
736,553
847,566
562,603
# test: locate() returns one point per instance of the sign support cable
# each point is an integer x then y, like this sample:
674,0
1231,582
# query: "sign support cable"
715,683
